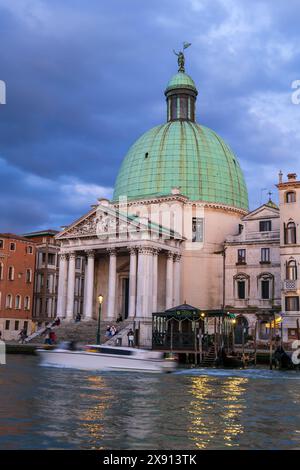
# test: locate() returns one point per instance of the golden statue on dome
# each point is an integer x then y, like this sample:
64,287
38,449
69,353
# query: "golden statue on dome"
181,58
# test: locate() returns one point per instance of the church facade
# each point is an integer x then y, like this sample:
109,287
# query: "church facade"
179,196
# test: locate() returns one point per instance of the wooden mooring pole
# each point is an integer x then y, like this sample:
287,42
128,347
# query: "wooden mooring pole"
255,343
271,343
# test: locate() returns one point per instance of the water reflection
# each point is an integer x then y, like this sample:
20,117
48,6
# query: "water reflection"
47,408
215,410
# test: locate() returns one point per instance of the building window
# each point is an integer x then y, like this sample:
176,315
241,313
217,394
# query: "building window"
265,226
8,303
1,244
241,289
28,276
1,270
241,259
29,250
26,303
290,196
18,302
265,255
12,246
290,233
51,259
11,273
265,289
25,325
197,229
17,324
78,263
291,270
7,324
292,304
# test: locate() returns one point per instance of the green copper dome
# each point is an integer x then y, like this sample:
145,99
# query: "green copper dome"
181,153
181,80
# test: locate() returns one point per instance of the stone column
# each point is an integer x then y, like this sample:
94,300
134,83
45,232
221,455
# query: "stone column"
155,280
71,286
169,280
144,282
89,284
112,278
62,286
132,283
176,266
85,286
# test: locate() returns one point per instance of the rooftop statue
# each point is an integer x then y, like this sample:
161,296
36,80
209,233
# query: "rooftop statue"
181,58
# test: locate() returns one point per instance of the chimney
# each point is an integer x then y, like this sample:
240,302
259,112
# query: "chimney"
292,176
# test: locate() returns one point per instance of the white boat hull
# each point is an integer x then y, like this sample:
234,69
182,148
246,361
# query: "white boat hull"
93,361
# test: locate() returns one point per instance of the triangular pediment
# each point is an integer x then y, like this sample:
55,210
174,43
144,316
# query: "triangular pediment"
107,221
262,212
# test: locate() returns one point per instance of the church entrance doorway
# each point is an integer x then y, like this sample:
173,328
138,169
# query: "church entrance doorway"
125,291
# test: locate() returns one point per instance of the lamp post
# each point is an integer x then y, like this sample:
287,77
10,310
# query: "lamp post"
100,300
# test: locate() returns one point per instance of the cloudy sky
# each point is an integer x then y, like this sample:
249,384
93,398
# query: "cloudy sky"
85,79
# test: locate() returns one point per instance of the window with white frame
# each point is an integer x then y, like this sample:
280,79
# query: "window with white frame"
290,233
12,246
28,276
26,302
8,302
11,273
197,229
292,304
290,196
265,255
1,270
1,244
291,270
18,302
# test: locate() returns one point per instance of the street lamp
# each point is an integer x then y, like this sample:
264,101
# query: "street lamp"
100,300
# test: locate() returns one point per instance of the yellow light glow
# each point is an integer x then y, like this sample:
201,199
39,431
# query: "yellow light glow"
100,299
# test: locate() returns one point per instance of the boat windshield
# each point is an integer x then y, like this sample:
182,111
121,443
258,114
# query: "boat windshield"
106,350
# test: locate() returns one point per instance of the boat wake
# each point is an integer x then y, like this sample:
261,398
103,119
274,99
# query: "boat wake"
246,373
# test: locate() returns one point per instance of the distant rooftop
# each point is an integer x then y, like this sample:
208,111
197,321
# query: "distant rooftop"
40,233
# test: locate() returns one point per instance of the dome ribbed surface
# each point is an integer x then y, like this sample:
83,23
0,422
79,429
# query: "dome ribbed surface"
185,154
181,80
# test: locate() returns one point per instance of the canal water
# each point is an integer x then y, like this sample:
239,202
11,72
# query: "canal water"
51,408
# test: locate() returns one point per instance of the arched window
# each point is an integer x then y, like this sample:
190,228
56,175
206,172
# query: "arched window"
18,302
290,233
8,303
290,196
291,270
11,273
28,275
27,303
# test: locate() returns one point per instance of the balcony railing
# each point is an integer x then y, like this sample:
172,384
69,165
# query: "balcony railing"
291,285
273,235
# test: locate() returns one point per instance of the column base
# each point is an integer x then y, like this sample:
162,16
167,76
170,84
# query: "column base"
145,332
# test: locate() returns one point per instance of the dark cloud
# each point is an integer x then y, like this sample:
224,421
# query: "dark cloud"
85,79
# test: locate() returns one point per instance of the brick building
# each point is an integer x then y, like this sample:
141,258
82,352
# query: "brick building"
46,275
17,264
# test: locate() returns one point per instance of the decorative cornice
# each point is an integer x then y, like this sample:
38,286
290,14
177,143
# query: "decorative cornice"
145,250
111,251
